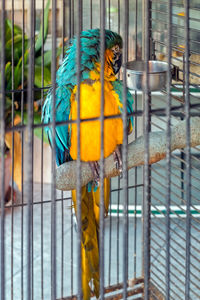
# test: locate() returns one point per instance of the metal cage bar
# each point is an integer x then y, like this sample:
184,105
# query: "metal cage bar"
29,269
102,225
169,248
2,98
125,153
78,191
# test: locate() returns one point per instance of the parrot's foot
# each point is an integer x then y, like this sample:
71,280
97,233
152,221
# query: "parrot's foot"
118,158
94,165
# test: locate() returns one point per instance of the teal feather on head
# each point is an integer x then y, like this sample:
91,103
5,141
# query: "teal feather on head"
90,54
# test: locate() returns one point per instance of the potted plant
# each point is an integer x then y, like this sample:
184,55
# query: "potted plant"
14,102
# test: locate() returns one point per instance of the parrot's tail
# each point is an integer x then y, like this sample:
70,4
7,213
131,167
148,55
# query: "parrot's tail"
90,208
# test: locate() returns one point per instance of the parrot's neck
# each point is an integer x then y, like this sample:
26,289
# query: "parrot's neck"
108,69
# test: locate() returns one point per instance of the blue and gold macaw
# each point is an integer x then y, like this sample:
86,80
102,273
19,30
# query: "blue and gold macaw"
90,135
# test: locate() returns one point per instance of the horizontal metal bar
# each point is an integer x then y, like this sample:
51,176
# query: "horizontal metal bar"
174,36
15,205
159,111
174,15
174,25
117,287
129,187
178,4
163,44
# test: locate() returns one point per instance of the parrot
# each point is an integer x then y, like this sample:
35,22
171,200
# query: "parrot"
90,131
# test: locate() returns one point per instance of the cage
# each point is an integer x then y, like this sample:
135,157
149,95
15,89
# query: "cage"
149,242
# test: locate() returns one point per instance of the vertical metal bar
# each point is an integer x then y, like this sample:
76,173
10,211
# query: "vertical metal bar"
101,227
91,14
109,21
124,153
53,192
110,243
146,203
118,15
118,181
42,217
72,17
136,28
135,206
2,153
168,146
182,157
12,158
42,156
62,203
22,156
127,34
78,191
33,92
188,157
63,27
72,246
62,245
118,202
72,221
30,154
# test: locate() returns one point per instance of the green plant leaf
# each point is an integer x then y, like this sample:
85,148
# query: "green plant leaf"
8,27
8,71
17,47
39,39
47,57
8,75
38,76
18,70
17,39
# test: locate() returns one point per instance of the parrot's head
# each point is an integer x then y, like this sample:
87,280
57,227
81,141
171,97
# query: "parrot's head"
114,45
90,57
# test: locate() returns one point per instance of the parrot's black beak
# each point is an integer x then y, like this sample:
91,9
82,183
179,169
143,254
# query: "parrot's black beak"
117,62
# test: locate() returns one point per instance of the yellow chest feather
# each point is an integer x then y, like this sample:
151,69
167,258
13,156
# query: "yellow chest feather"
90,131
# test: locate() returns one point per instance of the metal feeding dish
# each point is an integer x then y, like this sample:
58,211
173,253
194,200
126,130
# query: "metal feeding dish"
136,72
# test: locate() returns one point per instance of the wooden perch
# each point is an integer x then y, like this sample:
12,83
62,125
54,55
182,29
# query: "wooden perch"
66,173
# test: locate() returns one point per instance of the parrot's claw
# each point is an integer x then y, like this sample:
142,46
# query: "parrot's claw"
118,159
94,165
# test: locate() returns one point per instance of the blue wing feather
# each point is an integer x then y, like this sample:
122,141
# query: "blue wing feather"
118,88
62,132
